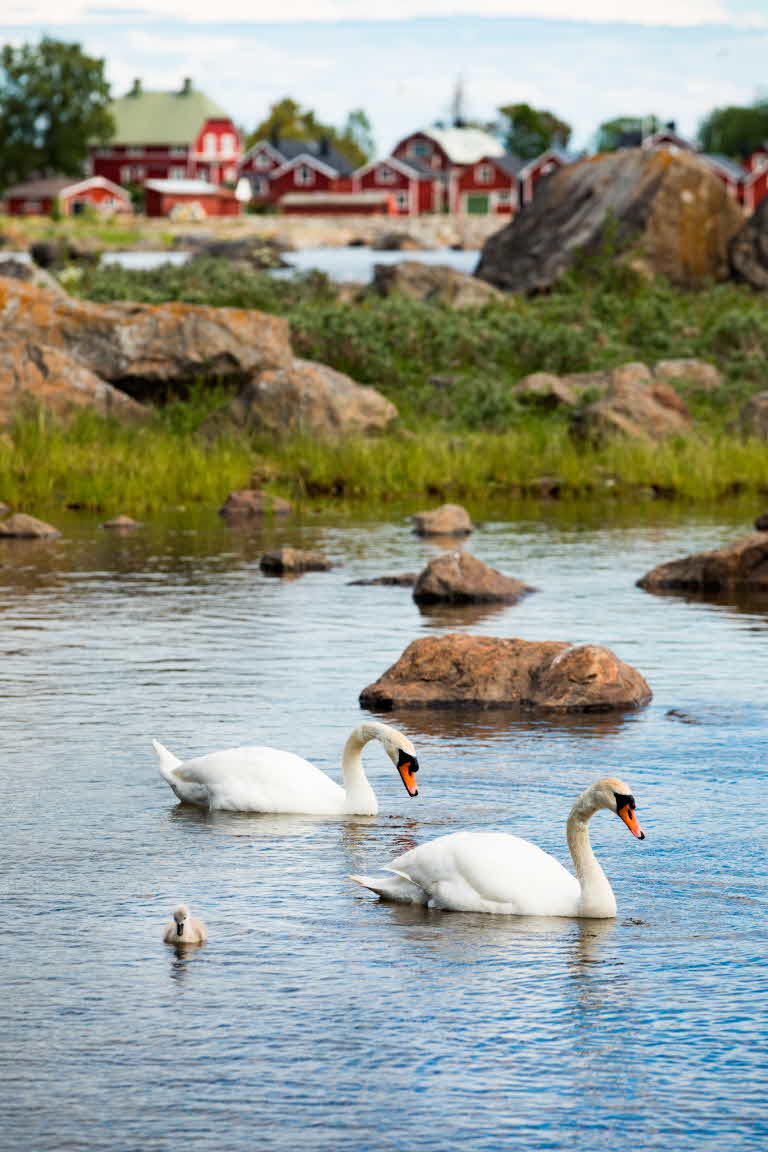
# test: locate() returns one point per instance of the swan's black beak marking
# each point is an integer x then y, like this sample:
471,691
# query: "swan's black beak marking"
408,766
625,810
179,927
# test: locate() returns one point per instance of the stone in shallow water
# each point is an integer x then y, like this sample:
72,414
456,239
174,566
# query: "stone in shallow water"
247,502
293,560
396,580
23,527
741,565
447,520
460,578
121,523
460,671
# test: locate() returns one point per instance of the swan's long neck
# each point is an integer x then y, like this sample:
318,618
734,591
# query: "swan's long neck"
360,797
597,898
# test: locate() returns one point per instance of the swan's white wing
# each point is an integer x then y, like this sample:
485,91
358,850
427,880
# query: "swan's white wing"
254,779
490,872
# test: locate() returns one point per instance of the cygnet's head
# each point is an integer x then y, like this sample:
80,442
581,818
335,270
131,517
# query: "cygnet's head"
180,914
403,755
616,796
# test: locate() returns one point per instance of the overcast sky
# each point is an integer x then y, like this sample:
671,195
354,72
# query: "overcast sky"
401,59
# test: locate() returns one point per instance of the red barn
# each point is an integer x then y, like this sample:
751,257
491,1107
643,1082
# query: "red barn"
37,197
194,199
530,174
413,190
490,186
169,136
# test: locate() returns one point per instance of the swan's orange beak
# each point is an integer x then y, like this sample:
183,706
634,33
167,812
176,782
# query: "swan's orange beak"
629,817
407,766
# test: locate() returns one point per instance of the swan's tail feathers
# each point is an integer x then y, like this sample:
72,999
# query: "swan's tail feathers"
167,761
391,885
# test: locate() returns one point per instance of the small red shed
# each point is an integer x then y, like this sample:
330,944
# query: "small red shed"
196,199
37,197
412,189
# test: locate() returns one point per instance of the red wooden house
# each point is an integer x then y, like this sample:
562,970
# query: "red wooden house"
413,190
267,162
445,153
37,197
530,174
490,186
169,136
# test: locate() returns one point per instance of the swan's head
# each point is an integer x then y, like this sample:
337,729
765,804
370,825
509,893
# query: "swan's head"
180,914
402,754
616,796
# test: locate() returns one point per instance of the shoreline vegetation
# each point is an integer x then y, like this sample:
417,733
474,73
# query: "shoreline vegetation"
462,433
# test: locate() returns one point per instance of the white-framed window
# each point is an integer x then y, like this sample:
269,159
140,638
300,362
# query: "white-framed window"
134,151
177,150
262,160
177,172
130,174
385,175
420,149
230,174
259,185
504,195
304,176
401,199
227,144
32,207
125,174
103,151
209,144
484,174
760,163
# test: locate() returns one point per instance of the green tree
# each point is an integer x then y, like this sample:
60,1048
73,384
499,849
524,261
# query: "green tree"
528,131
624,131
288,120
54,105
735,131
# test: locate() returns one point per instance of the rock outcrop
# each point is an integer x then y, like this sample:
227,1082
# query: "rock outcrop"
20,526
671,208
749,249
688,372
304,396
447,520
753,416
293,560
248,503
462,671
255,251
742,565
433,284
458,578
636,405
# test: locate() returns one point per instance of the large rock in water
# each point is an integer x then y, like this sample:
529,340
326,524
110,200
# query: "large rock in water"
433,284
458,578
741,565
447,520
143,346
672,207
749,249
461,671
303,396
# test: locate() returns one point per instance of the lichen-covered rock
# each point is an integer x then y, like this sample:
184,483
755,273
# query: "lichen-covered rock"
20,526
670,208
462,671
749,249
686,370
293,560
635,405
447,520
304,396
545,390
252,502
458,578
33,374
741,565
753,416
433,284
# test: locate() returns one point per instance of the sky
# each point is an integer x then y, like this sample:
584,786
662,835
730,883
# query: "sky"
400,59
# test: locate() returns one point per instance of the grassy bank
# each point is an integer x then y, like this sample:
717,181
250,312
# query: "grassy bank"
463,435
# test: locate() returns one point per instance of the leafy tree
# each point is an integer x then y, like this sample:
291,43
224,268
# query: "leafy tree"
528,131
54,105
624,132
735,131
289,121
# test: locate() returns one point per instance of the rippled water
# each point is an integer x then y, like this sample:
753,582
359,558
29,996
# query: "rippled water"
316,1017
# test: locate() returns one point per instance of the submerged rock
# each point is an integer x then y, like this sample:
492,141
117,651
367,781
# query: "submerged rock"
293,560
672,208
121,523
458,578
447,520
741,565
23,527
462,671
398,580
252,502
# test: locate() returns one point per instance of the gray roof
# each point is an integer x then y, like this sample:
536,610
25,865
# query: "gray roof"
43,187
734,170
509,162
320,149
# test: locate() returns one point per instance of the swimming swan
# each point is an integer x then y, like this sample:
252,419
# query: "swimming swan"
185,929
495,872
268,780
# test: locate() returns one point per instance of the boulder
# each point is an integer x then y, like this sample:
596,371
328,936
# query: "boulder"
251,502
545,390
695,373
397,580
17,267
35,375
458,578
749,249
742,565
293,560
635,405
461,671
397,242
121,523
432,284
761,524
447,520
256,251
304,396
23,527
669,208
753,417
143,346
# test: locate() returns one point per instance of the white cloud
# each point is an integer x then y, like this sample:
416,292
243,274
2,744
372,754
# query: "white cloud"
662,13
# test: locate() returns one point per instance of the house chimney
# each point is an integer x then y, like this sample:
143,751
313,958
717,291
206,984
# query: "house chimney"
136,88
671,125
186,86
323,146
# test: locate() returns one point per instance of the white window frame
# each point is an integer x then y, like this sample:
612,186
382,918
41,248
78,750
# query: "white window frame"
227,145
134,151
420,149
304,176
484,174
177,150
262,159
177,172
402,200
209,144
385,175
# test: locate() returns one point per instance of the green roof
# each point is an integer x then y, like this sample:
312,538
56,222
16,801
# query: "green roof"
162,117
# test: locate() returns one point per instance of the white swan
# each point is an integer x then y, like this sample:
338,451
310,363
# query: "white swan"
268,780
185,928
495,872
